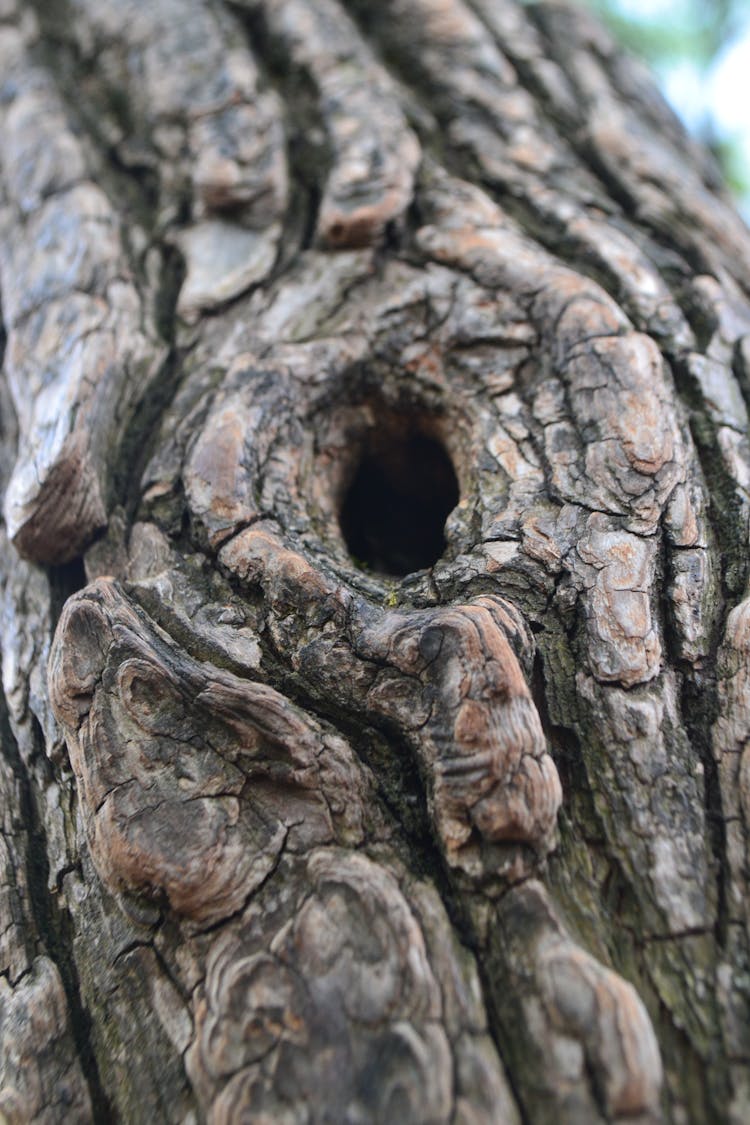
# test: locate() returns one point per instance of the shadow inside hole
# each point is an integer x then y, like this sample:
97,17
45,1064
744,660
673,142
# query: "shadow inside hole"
394,511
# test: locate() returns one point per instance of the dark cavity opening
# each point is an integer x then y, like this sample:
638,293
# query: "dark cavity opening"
403,488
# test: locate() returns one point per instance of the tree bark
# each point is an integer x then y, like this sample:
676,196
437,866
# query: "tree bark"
376,631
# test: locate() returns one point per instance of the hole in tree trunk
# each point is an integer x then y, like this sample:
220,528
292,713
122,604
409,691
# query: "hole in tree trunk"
402,490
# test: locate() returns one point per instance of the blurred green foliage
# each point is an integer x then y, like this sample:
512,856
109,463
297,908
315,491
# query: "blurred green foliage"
692,37
663,32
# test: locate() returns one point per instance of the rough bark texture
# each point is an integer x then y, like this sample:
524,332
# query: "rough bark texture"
308,814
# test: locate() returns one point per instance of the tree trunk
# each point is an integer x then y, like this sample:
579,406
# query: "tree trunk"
376,636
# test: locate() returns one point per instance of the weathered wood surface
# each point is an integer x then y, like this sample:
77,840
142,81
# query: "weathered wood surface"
287,837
